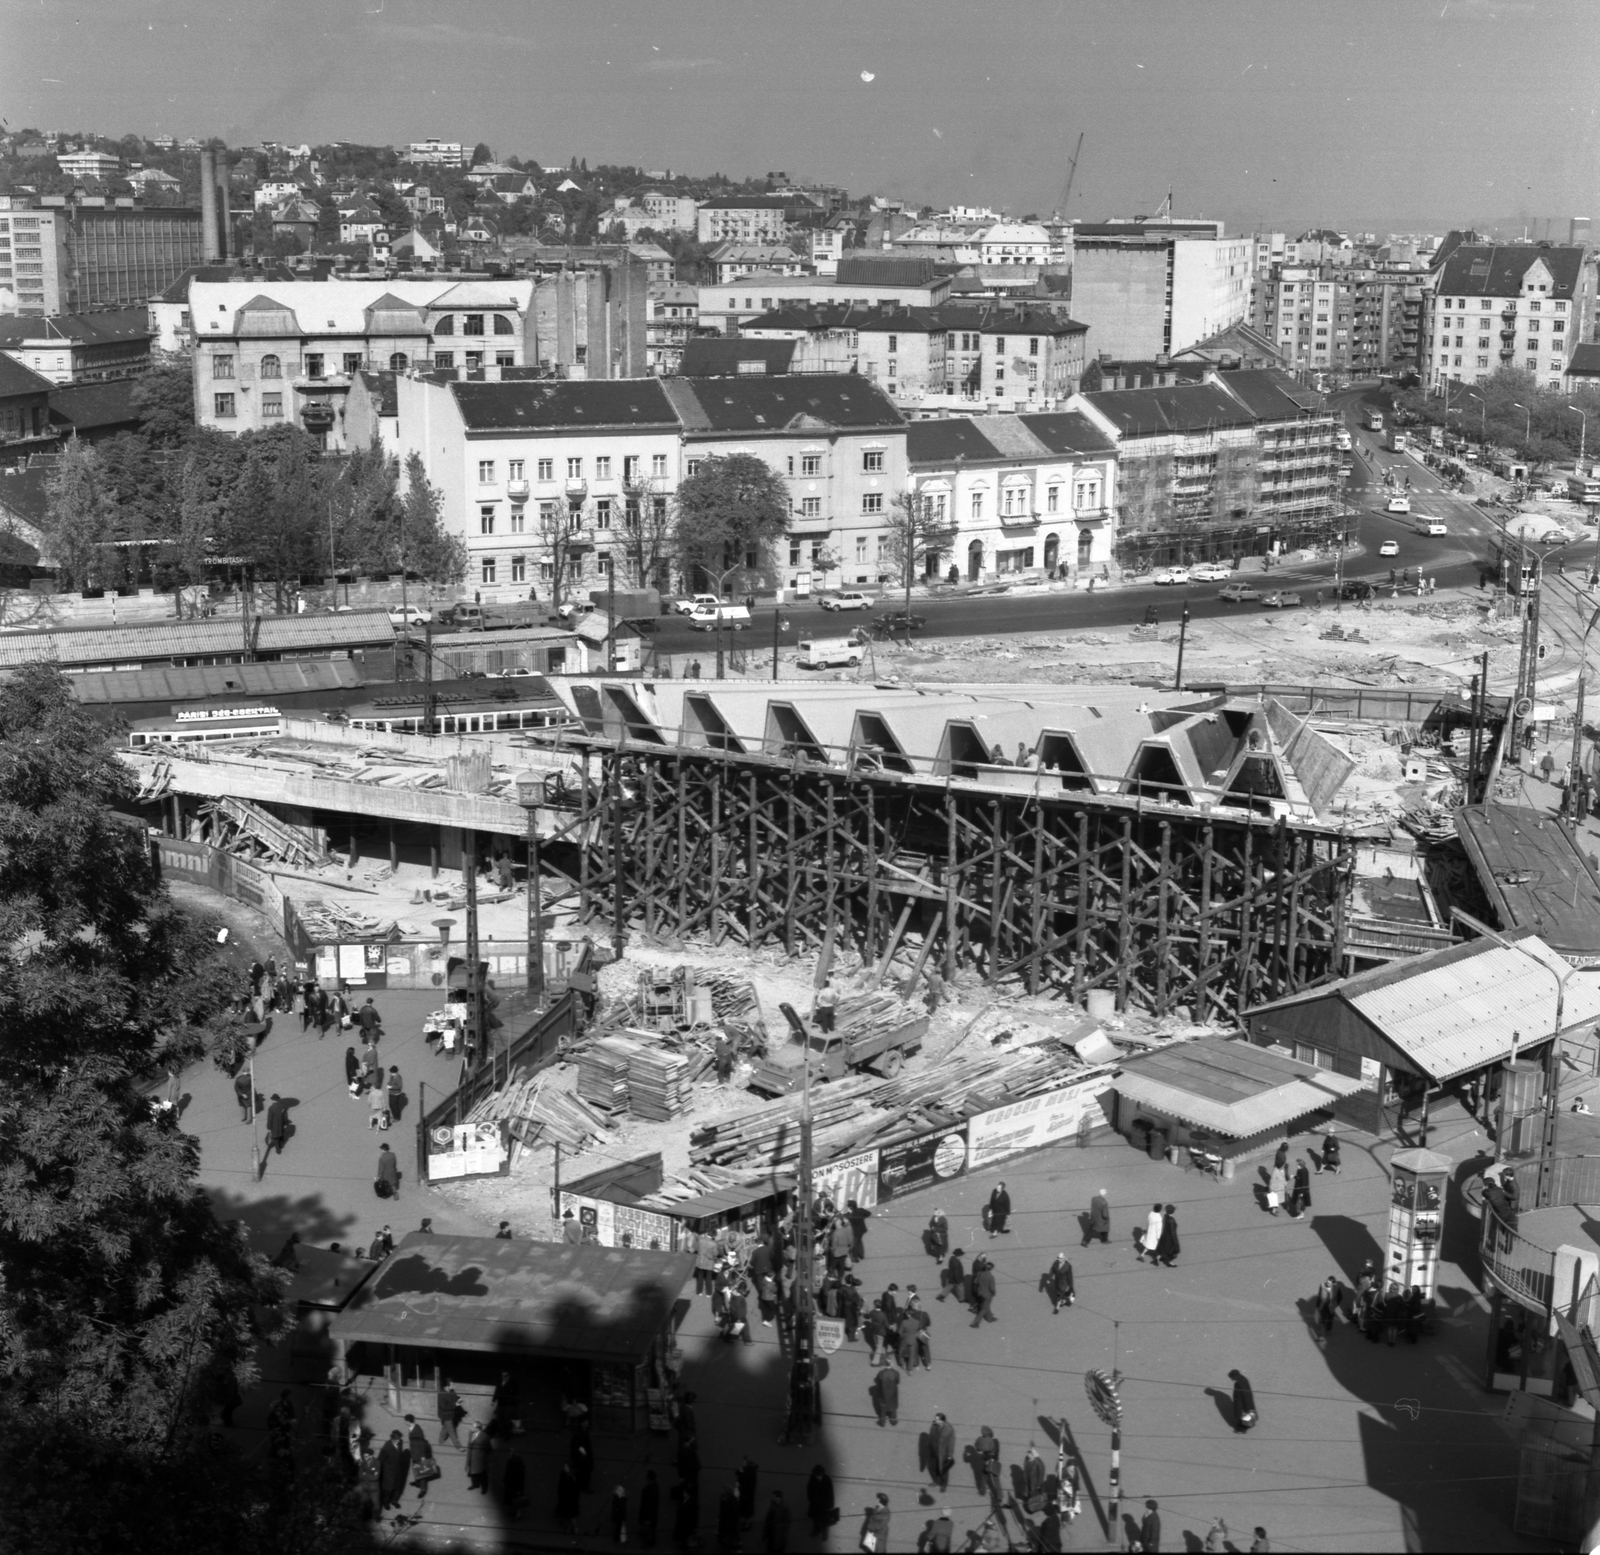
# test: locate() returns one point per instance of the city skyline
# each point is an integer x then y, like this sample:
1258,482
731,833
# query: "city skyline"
1324,124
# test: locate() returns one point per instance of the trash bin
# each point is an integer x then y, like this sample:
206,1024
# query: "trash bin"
1158,1144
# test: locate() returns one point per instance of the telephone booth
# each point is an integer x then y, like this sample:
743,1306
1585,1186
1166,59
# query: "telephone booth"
1416,1219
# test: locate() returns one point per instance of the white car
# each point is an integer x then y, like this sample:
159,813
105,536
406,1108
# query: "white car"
853,600
1210,572
687,607
1170,575
409,615
1389,548
1432,526
1399,504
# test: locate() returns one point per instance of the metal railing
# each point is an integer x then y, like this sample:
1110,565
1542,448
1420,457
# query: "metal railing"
1521,1268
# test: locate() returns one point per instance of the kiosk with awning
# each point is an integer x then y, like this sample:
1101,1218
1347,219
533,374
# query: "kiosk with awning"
1219,1095
567,1320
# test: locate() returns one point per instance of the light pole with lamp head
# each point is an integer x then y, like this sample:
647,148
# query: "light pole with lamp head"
779,624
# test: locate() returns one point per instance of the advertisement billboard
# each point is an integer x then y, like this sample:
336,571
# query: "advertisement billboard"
608,1224
921,1162
468,1150
1038,1120
850,1177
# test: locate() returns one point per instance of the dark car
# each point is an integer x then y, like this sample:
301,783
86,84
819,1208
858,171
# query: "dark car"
1356,588
897,624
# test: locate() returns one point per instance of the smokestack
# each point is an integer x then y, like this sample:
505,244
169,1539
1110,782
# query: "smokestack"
208,208
225,213
1579,230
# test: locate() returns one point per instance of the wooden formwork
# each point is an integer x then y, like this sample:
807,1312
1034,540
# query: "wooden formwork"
1164,905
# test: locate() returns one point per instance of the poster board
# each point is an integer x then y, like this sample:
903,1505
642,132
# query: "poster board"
461,1150
353,963
1037,1120
607,1223
922,1162
850,1177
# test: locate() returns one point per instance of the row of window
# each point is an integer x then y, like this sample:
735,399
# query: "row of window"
1487,303
517,469
1017,501
472,324
550,516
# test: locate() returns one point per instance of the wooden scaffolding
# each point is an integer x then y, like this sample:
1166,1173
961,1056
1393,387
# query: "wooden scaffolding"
1163,904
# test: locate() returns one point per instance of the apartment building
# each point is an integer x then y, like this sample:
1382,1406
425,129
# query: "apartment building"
1348,321
729,306
743,218
272,353
673,312
1013,243
1009,356
1022,494
539,474
1241,464
89,164
80,348
440,153
734,261
668,212
1148,289
839,442
1510,305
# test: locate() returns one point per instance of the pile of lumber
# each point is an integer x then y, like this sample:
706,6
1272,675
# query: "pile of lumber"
247,829
658,1078
862,1014
603,1075
538,1111
771,1135
328,923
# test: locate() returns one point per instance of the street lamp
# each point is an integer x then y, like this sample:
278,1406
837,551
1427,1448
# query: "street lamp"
1583,433
1552,1090
1527,425
779,624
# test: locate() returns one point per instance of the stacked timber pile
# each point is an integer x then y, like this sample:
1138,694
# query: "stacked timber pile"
658,1080
603,1075
329,923
771,1135
537,1111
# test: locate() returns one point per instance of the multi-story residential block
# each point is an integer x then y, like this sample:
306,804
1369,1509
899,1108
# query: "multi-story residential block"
1348,321
743,218
440,153
1012,356
80,348
266,195
361,223
272,354
1013,243
25,427
151,180
672,319
727,307
733,261
1148,289
837,440
89,164
545,474
668,211
73,257
1241,464
1021,494
1512,305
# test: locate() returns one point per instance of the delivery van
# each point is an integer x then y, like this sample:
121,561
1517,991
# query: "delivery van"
825,653
704,618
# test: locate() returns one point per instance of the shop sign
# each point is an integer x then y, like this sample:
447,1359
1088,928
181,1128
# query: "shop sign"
921,1162
1038,1120
850,1177
830,1334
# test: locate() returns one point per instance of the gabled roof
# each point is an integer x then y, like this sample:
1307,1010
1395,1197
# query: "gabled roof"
564,403
1497,270
109,327
1584,362
1271,395
944,439
1180,407
87,407
263,316
755,405
15,379
707,358
1068,432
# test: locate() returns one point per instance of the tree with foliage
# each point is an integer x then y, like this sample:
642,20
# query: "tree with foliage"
78,516
481,153
163,396
917,534
426,547
125,1302
728,518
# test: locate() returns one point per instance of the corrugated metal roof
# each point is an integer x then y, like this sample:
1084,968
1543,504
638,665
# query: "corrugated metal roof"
356,629
169,683
1244,1119
192,639
1460,1015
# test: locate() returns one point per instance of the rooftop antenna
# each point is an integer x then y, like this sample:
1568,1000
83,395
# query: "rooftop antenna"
1164,209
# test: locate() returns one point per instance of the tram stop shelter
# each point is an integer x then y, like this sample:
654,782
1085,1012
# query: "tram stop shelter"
1220,1096
1450,1018
567,1321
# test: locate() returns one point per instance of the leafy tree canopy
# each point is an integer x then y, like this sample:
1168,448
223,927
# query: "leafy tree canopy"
729,515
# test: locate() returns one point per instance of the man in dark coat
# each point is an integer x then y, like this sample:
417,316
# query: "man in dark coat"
983,1293
394,1464
244,1094
745,1478
1059,1284
449,1407
567,1501
775,1532
1099,1222
850,1307
938,1236
886,1396
1167,1247
953,1277
277,1124
875,1330
820,1505
389,1171
941,1450
1244,1402
367,1017
858,1219
1300,1194
739,1313
1150,1529
728,1519
649,1509
875,1526
999,1210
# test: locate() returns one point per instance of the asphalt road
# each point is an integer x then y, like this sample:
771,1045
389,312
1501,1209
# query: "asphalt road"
1452,561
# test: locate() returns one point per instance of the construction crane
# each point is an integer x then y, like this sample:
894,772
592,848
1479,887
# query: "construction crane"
1072,172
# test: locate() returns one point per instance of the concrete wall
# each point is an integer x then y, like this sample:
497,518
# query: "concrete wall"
1120,293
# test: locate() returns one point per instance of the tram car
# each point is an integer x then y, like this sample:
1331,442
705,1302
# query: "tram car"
206,726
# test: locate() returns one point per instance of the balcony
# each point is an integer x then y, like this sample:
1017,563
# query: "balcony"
517,490
1024,520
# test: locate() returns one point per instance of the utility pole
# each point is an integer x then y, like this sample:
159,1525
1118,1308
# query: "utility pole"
619,936
803,1410
1183,634
535,913
475,1021
427,678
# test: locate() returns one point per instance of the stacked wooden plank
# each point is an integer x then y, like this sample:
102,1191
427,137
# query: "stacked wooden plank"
537,1110
603,1075
658,1080
772,1134
865,1014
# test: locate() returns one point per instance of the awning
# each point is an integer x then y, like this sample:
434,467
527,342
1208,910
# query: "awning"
723,1200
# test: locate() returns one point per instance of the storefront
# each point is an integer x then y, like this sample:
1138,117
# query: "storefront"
567,1321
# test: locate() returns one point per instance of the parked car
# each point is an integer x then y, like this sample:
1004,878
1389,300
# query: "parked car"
1555,537
1170,575
735,617
408,615
1389,548
1210,572
687,607
1282,601
820,653
1356,588
1399,505
851,600
897,624
1239,594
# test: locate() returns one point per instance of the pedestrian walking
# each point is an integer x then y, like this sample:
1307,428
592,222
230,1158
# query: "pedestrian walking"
448,1405
478,1458
941,1450
937,1238
504,1233
394,1464
686,1515
1300,1193
1167,1248
1152,1235
850,1306
906,1332
308,1006
874,1329
388,1179
983,1294
953,1277
775,1528
999,1211
1260,1544
514,1486
745,1478
839,1242
738,1323
885,1391
728,1521
1099,1221
1033,1479
244,1093
938,1538
858,1219
1330,1155
1330,1298
1244,1402
1217,1536
1150,1529
367,1019
619,1514
705,1263
986,1463
378,1110
277,1124
397,1091
822,1007
352,1071
568,1503
649,1509
1059,1284
1277,1188
875,1526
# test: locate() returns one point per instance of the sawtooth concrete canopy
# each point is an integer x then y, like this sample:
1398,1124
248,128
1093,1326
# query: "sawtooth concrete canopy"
550,1300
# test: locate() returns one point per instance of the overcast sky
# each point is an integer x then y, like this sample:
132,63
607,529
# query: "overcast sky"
1274,113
